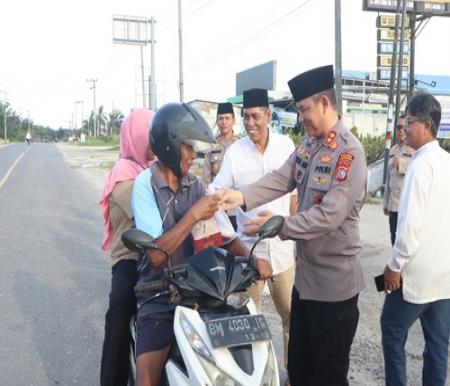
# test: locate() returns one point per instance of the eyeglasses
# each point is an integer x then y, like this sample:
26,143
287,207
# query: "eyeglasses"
399,127
409,121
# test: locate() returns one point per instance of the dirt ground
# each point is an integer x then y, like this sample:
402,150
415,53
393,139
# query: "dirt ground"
366,367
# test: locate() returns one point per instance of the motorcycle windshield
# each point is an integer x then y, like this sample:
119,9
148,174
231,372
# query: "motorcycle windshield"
213,272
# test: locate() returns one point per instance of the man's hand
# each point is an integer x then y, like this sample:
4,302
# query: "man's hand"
396,162
156,258
264,269
392,280
251,227
205,207
386,211
230,198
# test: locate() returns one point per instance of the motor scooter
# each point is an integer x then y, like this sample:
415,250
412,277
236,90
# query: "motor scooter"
219,339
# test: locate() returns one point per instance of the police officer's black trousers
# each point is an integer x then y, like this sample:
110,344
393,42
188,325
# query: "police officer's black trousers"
393,216
122,305
321,335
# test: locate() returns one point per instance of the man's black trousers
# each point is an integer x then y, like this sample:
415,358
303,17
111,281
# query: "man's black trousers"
321,335
393,216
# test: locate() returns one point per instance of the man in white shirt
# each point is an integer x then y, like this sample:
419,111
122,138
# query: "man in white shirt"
246,161
417,276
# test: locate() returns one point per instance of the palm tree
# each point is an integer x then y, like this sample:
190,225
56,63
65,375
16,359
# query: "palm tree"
102,122
115,120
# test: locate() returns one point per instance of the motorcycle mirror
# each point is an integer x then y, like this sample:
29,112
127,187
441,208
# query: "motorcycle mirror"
271,228
136,240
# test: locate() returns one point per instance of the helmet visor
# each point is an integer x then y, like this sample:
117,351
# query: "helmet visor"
198,146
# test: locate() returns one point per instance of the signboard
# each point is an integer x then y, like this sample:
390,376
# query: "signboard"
386,61
444,128
130,30
388,21
431,7
388,48
388,34
262,76
385,74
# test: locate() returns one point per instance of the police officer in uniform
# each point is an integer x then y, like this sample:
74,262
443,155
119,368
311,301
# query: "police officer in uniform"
213,157
329,171
400,157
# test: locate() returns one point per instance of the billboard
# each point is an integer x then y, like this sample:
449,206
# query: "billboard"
432,7
444,128
262,76
130,30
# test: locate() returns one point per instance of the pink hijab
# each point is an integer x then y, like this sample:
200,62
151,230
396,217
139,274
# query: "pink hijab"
132,160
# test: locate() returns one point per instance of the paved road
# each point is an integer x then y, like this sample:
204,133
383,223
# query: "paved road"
53,280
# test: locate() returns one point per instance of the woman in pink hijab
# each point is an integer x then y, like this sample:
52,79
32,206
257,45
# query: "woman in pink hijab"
115,203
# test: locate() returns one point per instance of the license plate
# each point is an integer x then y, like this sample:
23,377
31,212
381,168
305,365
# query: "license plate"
238,330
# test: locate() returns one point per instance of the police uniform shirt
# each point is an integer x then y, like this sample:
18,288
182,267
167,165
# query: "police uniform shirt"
395,176
330,175
214,157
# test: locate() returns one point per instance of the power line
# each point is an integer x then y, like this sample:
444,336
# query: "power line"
257,35
172,20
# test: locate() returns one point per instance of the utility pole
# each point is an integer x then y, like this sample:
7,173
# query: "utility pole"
152,85
180,51
94,112
400,64
338,54
390,114
412,54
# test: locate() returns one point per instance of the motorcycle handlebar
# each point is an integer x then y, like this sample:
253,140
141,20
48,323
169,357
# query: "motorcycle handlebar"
156,285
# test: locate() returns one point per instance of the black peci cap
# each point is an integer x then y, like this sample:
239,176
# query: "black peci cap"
225,108
256,97
311,82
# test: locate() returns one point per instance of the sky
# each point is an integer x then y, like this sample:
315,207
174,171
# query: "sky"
49,48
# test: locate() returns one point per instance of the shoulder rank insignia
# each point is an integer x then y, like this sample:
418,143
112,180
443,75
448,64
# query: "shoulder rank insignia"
330,138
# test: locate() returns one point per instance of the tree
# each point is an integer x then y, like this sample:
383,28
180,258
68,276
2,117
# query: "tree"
115,120
373,145
102,122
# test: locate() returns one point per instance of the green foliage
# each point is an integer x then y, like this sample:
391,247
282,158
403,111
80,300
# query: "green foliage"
373,145
108,128
445,144
296,138
101,141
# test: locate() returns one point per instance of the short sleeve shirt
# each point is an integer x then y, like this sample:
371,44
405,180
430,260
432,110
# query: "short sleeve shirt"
157,209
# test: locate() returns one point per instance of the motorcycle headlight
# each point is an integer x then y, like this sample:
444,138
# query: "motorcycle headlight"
194,339
270,373
217,376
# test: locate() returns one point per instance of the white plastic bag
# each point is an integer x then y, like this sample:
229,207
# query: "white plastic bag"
223,222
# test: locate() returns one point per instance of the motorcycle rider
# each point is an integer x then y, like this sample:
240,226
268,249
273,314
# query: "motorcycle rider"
167,202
